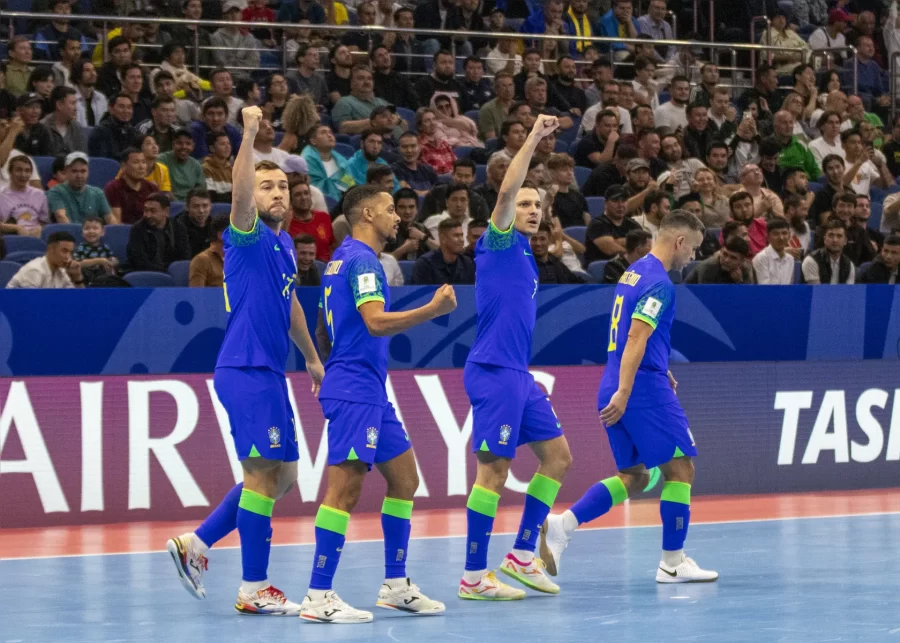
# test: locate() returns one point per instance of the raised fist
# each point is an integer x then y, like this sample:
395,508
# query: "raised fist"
444,300
544,125
252,116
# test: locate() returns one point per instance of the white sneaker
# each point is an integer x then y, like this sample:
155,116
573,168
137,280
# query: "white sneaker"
685,572
553,543
332,609
489,588
408,598
267,601
530,575
189,563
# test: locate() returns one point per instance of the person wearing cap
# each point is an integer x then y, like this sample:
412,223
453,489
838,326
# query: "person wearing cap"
154,241
234,50
782,36
115,133
67,134
74,200
382,121
832,36
351,113
638,185
34,139
605,236
185,172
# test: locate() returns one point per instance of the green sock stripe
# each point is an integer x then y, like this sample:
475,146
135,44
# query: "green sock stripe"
679,492
256,503
397,508
617,489
332,519
544,489
484,501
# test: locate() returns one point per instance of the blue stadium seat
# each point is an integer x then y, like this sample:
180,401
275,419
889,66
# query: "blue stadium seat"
595,270
148,279
22,257
463,151
862,269
355,141
581,175
875,219
7,270
571,147
15,243
480,174
320,267
343,138
562,147
331,203
44,167
577,232
797,273
472,114
278,138
72,228
491,144
444,179
675,276
101,171
406,268
116,237
409,116
569,135
344,149
596,205
220,208
180,272
688,269
176,208
878,194
20,25
815,187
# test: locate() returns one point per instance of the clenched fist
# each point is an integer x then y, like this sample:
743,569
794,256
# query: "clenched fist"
544,126
444,300
252,116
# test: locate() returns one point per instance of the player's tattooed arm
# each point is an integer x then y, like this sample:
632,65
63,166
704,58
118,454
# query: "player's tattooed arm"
243,209
505,211
322,338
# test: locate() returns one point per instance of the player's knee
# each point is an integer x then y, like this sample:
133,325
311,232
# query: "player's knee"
679,470
404,488
284,490
635,482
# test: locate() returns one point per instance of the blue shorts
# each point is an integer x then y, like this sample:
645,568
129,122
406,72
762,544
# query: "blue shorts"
650,436
508,409
259,411
365,432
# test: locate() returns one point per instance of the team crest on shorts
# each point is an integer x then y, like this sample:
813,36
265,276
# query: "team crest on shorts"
505,432
274,437
371,437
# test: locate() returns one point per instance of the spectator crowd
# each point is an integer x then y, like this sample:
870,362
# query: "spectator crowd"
116,148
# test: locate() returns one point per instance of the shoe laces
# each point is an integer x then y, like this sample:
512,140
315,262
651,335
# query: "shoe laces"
491,577
273,593
539,563
203,562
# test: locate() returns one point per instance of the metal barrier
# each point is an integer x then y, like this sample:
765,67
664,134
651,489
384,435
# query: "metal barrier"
827,54
753,22
373,30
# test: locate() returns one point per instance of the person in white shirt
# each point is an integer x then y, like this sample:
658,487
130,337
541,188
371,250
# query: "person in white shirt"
828,265
609,100
835,101
774,266
264,150
504,57
222,86
832,36
645,89
829,142
56,269
864,167
391,269
673,114
457,208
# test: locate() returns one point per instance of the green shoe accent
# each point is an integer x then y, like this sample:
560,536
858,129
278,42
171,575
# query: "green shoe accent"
527,583
484,446
254,453
475,597
352,455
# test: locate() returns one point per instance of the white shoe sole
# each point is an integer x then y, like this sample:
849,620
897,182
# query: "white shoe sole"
315,619
172,548
397,608
665,579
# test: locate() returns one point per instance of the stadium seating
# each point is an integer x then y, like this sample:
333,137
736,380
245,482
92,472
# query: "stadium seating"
72,228
146,279
16,243
676,276
406,268
409,116
44,167
577,232
180,272
102,171
116,237
23,256
688,269
220,209
596,268
596,205
582,174
176,208
463,151
7,270
344,149
797,273
480,173
875,217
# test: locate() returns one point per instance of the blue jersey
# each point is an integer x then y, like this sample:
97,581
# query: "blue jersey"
357,367
260,271
646,293
506,283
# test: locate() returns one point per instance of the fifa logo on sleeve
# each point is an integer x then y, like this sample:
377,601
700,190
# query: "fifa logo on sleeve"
274,437
505,432
371,438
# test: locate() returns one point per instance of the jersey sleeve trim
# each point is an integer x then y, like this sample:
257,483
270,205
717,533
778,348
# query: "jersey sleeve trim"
246,237
647,320
496,239
365,300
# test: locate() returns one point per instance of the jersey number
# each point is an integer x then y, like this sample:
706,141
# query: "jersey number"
329,314
614,323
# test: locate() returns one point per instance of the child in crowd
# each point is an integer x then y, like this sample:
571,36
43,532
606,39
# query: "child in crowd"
96,258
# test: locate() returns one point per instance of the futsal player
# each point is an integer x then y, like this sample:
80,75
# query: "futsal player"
645,423
363,429
508,408
260,272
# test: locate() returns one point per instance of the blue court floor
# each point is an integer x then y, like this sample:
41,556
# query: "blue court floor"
821,579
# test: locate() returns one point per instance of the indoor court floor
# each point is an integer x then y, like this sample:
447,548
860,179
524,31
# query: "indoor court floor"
804,567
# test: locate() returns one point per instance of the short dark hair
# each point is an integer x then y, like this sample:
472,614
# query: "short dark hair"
304,238
453,188
169,48
890,240
793,201
377,171
690,197
214,103
508,125
406,193
442,52
59,237
625,152
791,171
160,197
448,224
127,152
717,144
636,238
93,219
853,131
834,223
740,195
356,199
764,69
529,51
466,162
731,227
162,75
197,193
543,226
777,224
642,62
161,100
215,72
181,133
77,69
846,196
483,223
679,78
62,92
117,41
654,197
825,116
366,133
220,223
212,137
830,158
681,220
472,59
115,99
242,89
738,245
